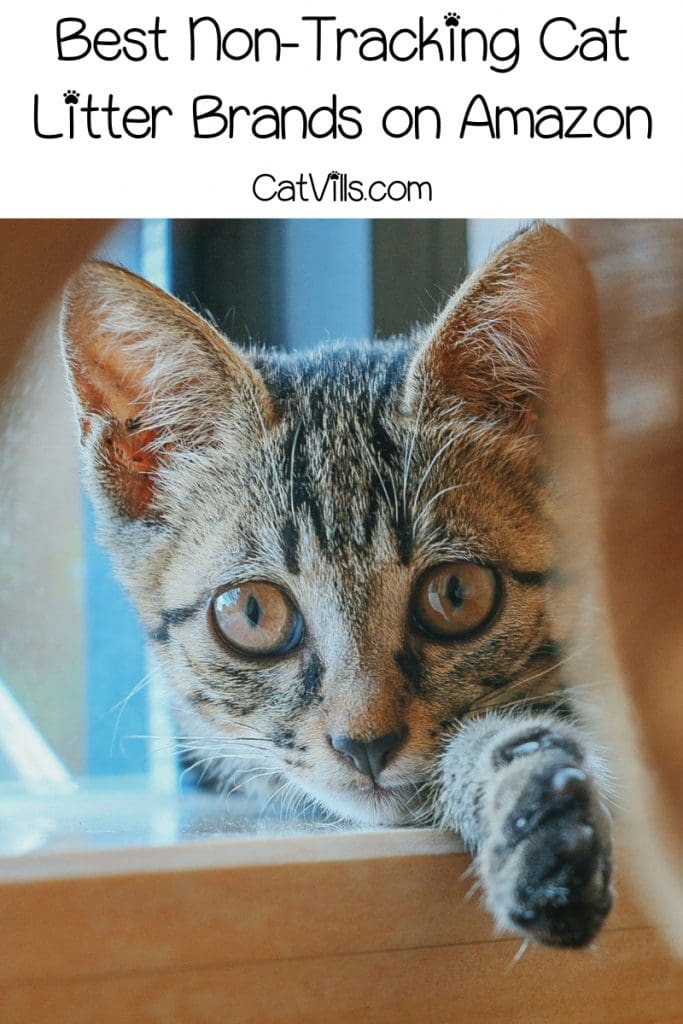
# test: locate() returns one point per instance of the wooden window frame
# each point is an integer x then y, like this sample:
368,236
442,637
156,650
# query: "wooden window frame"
301,928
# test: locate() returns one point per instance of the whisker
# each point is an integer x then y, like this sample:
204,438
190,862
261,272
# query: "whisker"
444,447
435,497
252,776
468,872
193,766
271,798
476,886
291,469
512,704
488,701
184,737
145,681
225,756
409,451
294,802
290,791
122,704
519,954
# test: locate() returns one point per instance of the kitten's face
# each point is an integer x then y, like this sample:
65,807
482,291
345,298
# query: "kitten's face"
337,556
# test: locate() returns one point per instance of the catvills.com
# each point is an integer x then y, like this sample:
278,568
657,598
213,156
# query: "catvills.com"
337,187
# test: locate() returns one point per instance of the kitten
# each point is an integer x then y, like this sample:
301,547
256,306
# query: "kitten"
345,562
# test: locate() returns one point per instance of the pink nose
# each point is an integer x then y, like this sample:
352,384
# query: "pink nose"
369,757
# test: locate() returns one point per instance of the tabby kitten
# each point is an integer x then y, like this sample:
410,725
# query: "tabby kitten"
345,561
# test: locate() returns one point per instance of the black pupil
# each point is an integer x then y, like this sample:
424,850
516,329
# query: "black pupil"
253,611
455,592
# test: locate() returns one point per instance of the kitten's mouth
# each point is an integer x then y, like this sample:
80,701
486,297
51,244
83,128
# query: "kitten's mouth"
397,804
393,804
404,795
395,791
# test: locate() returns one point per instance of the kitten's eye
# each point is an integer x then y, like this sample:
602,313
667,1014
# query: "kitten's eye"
452,601
257,619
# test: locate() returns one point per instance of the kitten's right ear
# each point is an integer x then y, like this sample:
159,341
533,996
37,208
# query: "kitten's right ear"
150,378
506,332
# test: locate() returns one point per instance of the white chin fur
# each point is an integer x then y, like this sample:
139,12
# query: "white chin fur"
380,809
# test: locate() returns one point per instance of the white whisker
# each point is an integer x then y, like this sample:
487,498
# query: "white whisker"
444,447
123,704
435,497
409,451
292,455
519,954
271,798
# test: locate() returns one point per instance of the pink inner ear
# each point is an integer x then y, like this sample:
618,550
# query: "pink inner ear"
132,461
127,451
148,375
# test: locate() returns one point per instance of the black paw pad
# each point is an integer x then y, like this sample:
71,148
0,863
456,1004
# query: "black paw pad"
556,833
531,743
523,917
71,96
452,19
575,842
559,792
569,783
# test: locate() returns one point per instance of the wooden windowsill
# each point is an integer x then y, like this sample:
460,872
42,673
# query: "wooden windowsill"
300,928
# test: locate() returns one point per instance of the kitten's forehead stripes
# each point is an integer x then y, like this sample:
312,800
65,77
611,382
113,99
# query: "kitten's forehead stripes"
341,449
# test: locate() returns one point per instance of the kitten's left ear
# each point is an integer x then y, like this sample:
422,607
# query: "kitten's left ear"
151,379
506,330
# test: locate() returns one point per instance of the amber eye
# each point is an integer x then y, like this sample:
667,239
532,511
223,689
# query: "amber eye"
454,600
257,619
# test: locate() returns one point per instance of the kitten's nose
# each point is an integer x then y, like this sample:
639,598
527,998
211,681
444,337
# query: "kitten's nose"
369,757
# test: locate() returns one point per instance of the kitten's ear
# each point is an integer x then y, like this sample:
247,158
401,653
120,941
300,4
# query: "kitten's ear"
150,378
505,330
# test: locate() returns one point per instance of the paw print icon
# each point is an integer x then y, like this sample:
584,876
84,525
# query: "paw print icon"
334,175
452,19
71,96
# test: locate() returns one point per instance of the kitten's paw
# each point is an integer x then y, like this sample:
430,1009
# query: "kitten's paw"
546,863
